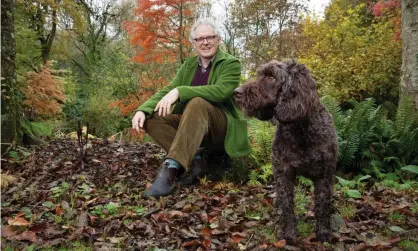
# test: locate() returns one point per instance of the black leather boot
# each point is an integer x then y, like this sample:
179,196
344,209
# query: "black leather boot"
199,170
165,183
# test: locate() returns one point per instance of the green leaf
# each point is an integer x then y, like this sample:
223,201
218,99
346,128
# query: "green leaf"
345,183
405,186
396,229
391,176
364,178
27,211
48,204
352,193
31,247
14,155
411,168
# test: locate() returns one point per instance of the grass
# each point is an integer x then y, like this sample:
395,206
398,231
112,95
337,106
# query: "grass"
268,234
345,209
414,208
304,229
397,217
301,200
408,245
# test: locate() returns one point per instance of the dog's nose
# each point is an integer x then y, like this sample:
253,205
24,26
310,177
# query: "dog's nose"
238,91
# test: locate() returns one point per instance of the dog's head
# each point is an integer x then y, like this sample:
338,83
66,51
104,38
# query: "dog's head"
284,90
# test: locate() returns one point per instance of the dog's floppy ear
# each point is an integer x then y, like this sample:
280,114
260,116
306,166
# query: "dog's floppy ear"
297,95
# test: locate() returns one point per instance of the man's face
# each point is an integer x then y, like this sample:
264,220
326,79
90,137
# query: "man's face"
206,48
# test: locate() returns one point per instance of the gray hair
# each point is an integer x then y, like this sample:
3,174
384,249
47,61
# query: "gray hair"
203,21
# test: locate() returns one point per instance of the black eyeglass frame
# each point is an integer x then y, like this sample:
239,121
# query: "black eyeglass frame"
209,39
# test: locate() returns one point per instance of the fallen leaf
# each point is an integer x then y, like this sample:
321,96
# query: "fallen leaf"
6,180
180,204
174,213
59,211
25,236
160,217
192,243
280,244
237,237
250,224
76,234
206,232
396,229
93,219
148,185
90,201
203,216
206,243
116,240
187,208
7,231
18,221
188,234
38,228
263,246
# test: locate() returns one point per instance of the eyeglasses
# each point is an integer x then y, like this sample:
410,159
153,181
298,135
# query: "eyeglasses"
209,39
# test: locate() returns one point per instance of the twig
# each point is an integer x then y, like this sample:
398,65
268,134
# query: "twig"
151,212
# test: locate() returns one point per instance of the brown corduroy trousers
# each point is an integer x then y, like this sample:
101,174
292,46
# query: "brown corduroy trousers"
181,135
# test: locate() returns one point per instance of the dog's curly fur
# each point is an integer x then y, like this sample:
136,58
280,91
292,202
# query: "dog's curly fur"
305,141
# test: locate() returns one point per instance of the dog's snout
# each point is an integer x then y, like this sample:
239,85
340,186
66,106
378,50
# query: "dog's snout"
238,91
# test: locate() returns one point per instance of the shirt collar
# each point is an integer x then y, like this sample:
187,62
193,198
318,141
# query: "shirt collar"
199,61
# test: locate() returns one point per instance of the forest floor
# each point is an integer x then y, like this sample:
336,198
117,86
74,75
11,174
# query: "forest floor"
56,204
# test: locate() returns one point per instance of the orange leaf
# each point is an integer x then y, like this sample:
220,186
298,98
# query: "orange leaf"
93,219
237,237
206,243
18,222
280,244
206,232
192,243
148,185
59,211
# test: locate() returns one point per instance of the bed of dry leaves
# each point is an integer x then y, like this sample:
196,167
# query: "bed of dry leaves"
54,202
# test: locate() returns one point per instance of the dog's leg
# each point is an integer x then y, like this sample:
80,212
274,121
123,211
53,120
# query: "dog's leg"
323,194
285,178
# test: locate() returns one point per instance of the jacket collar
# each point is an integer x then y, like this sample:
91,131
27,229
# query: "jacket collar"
220,55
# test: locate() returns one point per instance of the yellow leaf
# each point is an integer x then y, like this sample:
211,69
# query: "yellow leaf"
6,180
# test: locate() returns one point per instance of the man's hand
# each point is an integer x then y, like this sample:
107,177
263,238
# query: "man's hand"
138,121
165,103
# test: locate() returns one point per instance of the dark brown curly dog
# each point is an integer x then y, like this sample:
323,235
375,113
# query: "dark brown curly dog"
305,140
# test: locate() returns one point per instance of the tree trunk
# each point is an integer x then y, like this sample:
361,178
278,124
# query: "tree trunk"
10,105
409,80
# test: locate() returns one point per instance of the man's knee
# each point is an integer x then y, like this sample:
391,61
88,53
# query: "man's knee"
151,122
197,103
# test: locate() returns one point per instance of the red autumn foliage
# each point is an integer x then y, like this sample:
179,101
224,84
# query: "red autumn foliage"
160,30
390,9
384,6
44,92
159,33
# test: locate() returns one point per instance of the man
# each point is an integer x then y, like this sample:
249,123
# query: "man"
204,113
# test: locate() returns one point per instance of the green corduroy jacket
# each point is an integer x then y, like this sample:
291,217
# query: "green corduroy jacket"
224,77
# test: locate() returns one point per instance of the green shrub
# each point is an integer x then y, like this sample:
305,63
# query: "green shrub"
370,141
103,121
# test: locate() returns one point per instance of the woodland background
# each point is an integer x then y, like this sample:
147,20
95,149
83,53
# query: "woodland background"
66,61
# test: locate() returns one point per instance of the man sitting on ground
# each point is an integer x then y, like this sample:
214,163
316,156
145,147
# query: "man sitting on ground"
204,113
